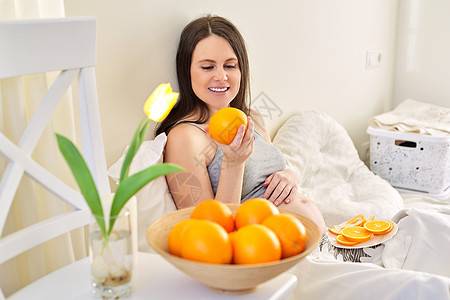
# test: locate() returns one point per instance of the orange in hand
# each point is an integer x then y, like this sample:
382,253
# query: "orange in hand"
255,244
225,123
216,211
290,231
206,241
254,211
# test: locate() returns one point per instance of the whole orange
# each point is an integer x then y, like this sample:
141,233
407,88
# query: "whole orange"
254,211
216,211
175,236
225,123
254,244
290,231
206,241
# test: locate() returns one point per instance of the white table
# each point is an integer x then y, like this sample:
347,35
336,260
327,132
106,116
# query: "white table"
153,278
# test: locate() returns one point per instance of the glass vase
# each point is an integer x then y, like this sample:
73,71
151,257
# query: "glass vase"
111,258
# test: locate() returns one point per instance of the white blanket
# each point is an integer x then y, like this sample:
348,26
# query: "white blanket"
414,116
321,277
414,264
422,242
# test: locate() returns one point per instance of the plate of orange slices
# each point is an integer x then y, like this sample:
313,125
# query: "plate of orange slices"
359,232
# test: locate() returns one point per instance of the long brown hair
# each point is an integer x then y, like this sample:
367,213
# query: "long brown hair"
188,102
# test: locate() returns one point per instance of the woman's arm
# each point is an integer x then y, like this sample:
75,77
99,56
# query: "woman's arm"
187,146
194,150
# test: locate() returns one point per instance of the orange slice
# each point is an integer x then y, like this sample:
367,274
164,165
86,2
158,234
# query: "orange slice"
378,226
369,219
391,226
356,220
389,229
335,230
343,241
356,234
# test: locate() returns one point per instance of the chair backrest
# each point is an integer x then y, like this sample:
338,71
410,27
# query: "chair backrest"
36,46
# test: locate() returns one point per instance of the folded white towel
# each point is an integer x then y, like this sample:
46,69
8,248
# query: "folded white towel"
415,117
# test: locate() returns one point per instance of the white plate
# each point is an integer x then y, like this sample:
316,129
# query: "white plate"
375,240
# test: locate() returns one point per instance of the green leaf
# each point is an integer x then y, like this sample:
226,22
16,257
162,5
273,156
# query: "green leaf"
136,142
84,179
131,185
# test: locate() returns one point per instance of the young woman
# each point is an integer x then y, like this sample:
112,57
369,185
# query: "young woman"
213,73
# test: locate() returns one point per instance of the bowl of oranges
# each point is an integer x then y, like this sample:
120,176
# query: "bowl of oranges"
230,248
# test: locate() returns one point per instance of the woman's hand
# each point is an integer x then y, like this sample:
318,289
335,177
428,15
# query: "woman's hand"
241,147
281,186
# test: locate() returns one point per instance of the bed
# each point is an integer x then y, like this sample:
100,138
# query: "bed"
413,264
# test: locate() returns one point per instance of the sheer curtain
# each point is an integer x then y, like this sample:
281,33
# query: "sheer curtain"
19,97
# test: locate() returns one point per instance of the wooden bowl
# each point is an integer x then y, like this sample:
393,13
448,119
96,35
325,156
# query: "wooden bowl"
226,278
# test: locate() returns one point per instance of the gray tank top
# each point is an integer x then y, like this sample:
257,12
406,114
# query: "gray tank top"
265,160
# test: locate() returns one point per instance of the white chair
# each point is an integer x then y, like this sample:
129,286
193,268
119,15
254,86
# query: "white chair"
68,45
39,46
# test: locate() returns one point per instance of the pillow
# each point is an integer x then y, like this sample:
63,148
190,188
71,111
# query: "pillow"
330,171
154,199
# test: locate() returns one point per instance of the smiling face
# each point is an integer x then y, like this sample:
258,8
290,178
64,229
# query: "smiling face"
215,73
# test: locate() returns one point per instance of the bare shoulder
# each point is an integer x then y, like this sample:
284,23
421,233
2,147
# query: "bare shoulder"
260,126
186,140
183,133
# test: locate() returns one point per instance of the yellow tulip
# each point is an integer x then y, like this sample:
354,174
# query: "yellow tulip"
160,102
157,107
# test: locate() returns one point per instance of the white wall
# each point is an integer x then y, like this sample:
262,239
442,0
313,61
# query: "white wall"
304,55
423,55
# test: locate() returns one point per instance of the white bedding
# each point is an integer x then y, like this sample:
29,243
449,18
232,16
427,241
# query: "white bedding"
414,264
321,277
